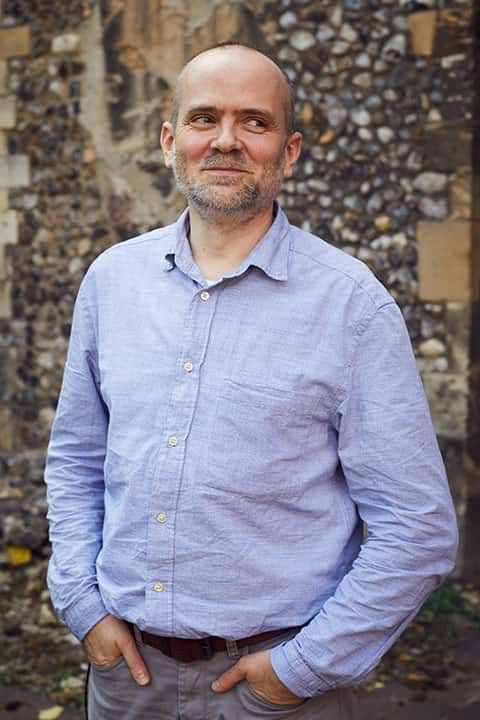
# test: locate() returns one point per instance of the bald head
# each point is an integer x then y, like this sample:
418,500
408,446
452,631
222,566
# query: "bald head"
234,51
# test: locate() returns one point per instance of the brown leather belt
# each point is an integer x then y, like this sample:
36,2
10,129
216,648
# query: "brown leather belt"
188,650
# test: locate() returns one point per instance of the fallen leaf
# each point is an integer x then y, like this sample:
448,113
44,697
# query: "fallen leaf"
19,555
416,677
327,136
51,713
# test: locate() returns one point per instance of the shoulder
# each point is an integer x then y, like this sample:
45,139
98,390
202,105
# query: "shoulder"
336,269
131,256
154,241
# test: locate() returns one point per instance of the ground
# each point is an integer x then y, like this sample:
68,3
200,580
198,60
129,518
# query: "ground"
431,673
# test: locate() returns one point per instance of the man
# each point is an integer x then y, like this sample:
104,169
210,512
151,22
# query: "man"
238,397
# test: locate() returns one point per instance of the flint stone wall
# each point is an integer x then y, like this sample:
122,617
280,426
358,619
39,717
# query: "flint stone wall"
386,103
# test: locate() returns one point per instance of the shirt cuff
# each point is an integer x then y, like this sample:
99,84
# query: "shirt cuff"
87,612
294,673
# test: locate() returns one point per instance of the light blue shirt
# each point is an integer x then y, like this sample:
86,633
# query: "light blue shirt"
214,453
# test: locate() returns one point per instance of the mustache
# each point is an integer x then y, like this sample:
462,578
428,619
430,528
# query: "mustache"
221,160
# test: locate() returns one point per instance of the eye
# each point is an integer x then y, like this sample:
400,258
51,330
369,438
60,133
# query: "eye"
256,123
202,119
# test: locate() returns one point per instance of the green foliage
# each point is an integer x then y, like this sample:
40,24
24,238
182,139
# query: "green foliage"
451,599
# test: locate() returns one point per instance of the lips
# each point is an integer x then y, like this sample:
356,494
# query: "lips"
224,164
225,168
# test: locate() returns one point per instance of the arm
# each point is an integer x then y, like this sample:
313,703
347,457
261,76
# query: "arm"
75,488
395,475
74,477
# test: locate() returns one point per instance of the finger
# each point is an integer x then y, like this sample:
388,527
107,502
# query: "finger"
135,662
230,678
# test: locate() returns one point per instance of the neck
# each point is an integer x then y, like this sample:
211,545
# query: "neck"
220,243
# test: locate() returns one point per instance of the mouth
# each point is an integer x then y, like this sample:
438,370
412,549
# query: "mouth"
225,170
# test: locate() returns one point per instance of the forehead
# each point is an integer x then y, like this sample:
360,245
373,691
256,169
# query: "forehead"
232,78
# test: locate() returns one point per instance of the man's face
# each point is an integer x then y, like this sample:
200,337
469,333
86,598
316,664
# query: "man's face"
229,150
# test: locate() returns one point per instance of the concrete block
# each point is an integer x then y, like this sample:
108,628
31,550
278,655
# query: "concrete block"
3,264
447,395
422,27
444,260
6,427
4,199
458,319
7,112
440,33
8,228
461,195
5,300
14,42
14,171
3,76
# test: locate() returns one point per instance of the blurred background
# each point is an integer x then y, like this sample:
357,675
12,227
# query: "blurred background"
388,101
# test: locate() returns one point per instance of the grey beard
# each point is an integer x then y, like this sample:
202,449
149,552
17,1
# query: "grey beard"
204,200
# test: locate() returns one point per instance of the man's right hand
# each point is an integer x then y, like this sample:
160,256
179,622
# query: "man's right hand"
109,639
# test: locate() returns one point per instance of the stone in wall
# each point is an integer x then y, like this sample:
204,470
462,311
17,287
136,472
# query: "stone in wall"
461,194
458,321
444,261
14,171
448,397
8,236
14,42
422,26
7,112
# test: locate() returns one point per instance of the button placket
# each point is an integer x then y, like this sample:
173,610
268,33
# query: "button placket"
178,419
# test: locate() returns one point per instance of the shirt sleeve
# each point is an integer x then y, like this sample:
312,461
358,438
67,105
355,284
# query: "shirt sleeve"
395,475
75,481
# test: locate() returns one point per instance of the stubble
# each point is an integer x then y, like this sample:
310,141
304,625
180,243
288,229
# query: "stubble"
208,199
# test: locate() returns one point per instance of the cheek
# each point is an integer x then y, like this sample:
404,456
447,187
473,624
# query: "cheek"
266,154
193,149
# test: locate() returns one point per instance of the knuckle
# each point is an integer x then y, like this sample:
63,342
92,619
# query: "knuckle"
242,664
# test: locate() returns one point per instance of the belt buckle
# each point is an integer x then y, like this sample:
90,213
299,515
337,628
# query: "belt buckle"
206,646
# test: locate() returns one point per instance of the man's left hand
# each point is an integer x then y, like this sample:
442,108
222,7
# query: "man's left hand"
257,670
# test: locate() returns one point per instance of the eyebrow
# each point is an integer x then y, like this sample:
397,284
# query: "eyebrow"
262,112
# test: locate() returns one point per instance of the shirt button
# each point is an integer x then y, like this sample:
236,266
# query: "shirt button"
173,441
158,587
188,367
161,517
205,295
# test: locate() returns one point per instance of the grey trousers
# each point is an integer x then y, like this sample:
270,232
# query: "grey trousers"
181,691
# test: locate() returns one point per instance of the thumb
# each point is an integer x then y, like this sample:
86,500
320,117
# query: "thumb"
135,663
230,677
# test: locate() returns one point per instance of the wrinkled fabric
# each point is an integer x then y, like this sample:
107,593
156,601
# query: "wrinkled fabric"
182,690
216,452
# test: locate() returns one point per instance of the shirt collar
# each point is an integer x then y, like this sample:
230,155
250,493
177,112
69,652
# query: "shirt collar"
270,254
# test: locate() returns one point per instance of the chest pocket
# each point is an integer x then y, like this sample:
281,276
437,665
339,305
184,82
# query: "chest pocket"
257,445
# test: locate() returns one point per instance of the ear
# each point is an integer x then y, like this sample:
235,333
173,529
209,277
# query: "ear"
167,142
292,153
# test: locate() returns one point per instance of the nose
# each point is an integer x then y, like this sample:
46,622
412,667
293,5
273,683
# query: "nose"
226,138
